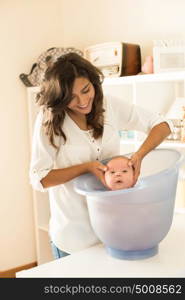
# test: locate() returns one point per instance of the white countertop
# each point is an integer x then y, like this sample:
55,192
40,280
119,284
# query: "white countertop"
95,262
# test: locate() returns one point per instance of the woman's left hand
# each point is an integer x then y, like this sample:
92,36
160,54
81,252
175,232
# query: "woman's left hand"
135,162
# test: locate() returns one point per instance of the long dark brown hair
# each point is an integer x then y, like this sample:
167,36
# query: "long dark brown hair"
56,93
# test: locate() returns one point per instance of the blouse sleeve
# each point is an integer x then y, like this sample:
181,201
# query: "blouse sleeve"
133,117
43,155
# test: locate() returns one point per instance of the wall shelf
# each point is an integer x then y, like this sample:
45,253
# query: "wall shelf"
159,77
175,144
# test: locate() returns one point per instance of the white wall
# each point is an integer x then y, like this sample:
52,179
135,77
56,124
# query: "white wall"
27,27
89,22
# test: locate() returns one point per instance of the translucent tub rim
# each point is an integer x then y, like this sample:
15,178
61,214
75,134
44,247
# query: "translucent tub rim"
142,182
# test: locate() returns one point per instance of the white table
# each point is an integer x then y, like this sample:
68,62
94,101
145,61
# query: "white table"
95,262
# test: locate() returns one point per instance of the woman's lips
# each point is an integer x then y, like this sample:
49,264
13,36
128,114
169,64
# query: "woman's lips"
85,106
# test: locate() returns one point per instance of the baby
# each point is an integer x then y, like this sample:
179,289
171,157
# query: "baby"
119,175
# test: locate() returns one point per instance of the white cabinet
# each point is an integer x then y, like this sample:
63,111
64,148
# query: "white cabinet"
155,92
41,200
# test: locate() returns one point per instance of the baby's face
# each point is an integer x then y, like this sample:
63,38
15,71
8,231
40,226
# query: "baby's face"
119,175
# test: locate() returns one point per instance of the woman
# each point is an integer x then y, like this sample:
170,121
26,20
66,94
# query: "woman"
75,129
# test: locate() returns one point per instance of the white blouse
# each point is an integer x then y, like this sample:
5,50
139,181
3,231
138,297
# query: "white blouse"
70,227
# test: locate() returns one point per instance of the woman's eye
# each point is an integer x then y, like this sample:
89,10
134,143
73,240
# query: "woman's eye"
86,91
112,172
124,171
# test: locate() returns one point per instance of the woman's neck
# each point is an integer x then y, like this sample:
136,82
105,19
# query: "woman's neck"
79,119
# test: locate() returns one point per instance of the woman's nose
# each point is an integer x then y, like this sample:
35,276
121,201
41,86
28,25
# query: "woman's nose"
82,100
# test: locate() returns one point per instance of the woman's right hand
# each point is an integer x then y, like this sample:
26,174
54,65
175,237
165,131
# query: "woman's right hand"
97,169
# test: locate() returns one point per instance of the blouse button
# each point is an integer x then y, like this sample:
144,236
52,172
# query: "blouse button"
98,149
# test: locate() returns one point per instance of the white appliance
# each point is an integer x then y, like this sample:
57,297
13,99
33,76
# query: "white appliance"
169,56
115,59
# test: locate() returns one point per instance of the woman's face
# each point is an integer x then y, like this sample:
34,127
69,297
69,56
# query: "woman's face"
82,96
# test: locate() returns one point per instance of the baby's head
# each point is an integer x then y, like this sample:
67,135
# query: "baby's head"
119,175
